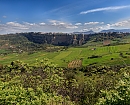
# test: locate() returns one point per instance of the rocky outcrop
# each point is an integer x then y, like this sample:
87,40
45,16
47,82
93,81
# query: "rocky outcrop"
59,39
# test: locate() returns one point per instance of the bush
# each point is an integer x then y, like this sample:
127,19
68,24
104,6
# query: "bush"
119,96
42,86
94,56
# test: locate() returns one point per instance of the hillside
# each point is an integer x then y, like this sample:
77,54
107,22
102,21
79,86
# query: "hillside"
58,39
18,43
38,72
96,50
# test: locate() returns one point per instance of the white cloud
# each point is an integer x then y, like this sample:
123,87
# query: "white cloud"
107,26
85,29
102,23
29,24
12,25
56,22
62,25
51,26
91,23
94,26
32,24
118,25
105,9
78,24
42,23
125,23
71,27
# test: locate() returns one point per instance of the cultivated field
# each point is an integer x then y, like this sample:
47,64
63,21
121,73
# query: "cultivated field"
89,55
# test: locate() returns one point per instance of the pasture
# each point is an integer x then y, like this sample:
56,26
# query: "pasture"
109,55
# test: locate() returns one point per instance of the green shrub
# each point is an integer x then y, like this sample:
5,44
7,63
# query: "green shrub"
119,96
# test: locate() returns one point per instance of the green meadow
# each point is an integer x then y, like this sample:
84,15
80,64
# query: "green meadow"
109,55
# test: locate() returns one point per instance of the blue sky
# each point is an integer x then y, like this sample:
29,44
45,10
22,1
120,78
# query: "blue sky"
63,15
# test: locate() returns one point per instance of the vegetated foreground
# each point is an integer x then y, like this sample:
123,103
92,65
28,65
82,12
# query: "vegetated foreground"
46,84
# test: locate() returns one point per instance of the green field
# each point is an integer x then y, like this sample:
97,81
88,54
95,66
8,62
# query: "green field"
62,58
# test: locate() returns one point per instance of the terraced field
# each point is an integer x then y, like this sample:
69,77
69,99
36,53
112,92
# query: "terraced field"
106,55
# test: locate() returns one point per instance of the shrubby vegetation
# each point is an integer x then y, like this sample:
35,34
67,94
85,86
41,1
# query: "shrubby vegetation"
120,95
38,85
46,84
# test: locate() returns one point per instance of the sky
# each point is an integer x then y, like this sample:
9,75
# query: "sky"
63,15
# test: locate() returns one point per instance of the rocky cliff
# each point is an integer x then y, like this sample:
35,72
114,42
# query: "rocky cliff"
59,39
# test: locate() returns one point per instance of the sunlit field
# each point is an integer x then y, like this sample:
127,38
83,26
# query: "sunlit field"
107,55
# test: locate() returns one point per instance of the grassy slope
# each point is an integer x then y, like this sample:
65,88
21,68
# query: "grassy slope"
63,57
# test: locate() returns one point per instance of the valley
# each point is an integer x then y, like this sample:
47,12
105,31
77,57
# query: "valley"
18,47
75,74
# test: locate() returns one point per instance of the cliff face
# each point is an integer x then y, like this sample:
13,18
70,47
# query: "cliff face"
60,39
56,39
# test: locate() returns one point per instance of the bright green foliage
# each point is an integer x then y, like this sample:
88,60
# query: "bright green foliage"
120,95
54,76
26,88
46,84
11,94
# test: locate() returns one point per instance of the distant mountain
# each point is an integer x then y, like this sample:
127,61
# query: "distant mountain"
103,31
87,32
114,30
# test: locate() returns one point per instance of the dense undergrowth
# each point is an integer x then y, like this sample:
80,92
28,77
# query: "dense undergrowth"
46,84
